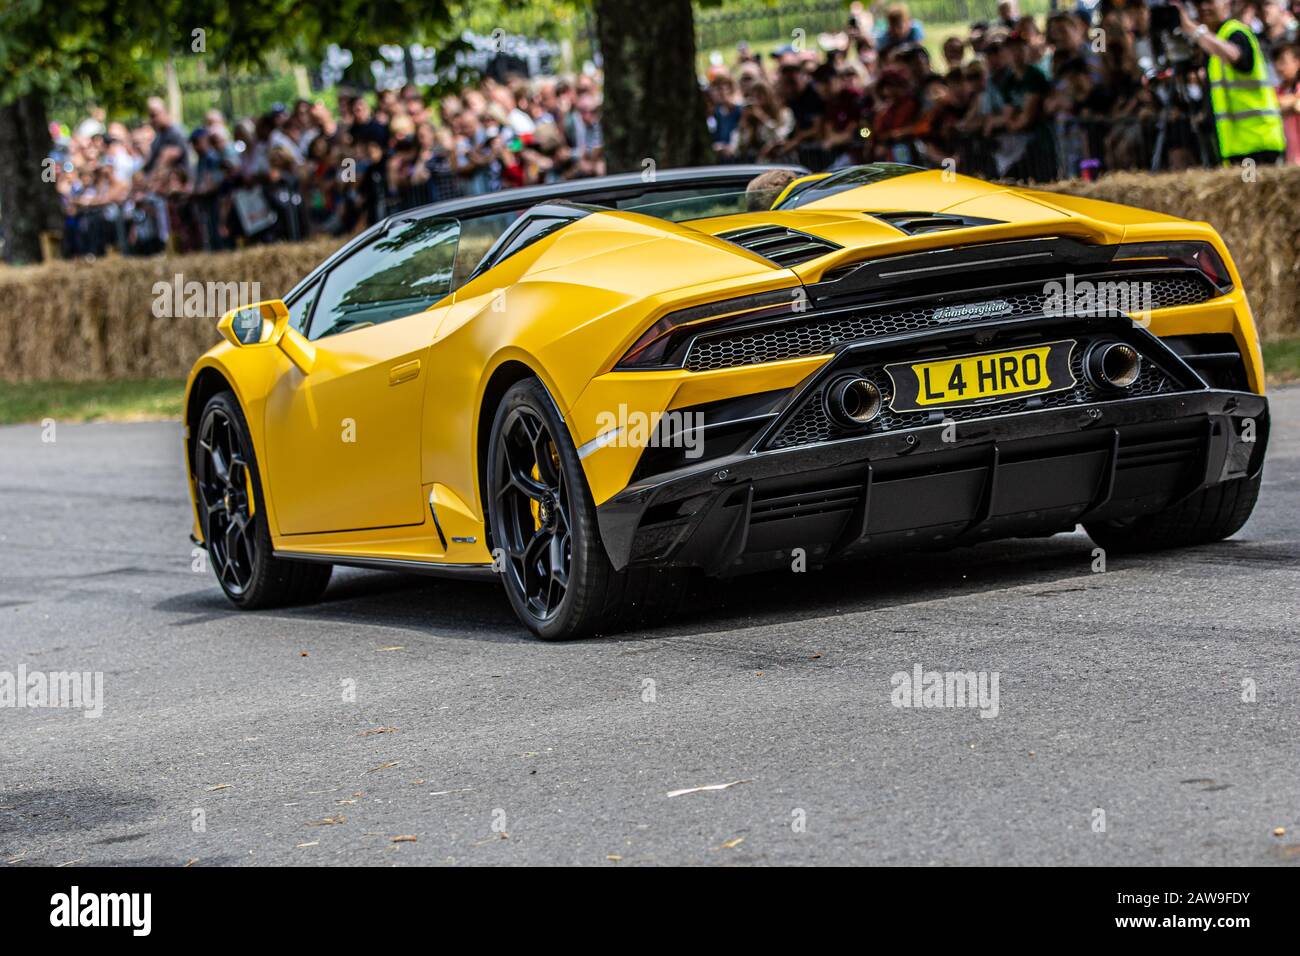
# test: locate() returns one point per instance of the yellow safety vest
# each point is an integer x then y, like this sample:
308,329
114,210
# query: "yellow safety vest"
1246,115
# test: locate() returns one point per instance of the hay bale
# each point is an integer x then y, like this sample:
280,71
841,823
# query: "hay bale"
95,321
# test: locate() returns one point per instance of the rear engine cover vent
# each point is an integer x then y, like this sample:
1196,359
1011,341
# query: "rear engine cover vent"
916,223
785,247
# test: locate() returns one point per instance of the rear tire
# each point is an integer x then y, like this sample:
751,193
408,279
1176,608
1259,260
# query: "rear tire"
238,539
542,518
1211,514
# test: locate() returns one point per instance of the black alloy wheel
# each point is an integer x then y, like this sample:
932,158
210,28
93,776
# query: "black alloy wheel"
225,495
545,534
532,506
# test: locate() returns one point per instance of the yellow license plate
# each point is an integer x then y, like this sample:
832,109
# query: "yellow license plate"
968,379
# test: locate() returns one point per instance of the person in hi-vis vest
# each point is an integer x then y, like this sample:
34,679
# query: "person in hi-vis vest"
1247,119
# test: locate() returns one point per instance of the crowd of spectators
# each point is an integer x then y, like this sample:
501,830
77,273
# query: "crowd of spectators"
309,169
1019,97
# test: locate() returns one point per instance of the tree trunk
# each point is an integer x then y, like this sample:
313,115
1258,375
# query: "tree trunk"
653,108
29,204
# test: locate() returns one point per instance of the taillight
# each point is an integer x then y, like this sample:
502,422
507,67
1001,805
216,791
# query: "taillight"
1212,266
1197,255
654,348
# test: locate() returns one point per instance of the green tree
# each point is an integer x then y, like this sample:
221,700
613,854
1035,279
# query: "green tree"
111,49
48,48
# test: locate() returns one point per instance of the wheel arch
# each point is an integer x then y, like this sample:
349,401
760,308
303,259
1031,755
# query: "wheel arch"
503,377
208,381
209,377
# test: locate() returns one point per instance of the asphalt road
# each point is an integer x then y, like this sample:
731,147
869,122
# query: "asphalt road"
1119,692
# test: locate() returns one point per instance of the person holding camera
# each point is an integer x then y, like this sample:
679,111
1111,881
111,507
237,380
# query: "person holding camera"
1247,119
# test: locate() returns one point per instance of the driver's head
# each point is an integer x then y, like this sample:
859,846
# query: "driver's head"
764,188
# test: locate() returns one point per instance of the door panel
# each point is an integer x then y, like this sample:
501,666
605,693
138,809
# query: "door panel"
343,443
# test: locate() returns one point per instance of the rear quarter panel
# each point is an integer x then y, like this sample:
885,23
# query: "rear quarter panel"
568,307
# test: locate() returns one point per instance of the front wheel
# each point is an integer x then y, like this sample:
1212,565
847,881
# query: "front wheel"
542,519
233,517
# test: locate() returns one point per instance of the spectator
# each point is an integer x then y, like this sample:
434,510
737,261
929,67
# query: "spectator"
366,127
1024,88
937,132
585,138
954,52
1246,116
806,107
1068,40
118,154
1286,61
473,158
765,124
1039,54
891,124
283,132
843,112
209,177
900,28
1008,14
426,175
1278,26
724,117
214,121
168,143
1080,99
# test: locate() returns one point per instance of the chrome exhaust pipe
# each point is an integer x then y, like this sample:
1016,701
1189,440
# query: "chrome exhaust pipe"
852,402
1112,365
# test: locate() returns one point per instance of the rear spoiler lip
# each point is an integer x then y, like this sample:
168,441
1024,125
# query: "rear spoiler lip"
877,274
1047,230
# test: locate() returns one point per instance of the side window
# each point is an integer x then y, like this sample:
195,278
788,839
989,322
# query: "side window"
532,230
478,235
488,240
401,273
301,308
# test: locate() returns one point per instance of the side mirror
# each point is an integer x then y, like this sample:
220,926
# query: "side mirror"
265,324
259,324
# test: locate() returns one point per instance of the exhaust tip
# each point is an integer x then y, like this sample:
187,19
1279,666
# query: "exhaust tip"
852,402
1112,365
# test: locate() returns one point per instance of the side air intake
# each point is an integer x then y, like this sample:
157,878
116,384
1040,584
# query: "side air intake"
785,247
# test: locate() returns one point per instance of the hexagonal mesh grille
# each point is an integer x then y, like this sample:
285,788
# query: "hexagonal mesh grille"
819,336
811,424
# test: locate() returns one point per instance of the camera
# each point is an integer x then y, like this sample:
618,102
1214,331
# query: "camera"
1168,44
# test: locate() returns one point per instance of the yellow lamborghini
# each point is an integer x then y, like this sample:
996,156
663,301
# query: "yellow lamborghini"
589,389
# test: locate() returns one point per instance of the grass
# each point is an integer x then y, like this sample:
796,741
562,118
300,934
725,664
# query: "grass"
122,401
155,399
1282,360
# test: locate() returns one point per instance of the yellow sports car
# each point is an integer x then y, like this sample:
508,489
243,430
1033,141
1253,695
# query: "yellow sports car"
586,390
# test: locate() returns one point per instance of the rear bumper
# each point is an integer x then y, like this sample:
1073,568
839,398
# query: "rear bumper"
1033,473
